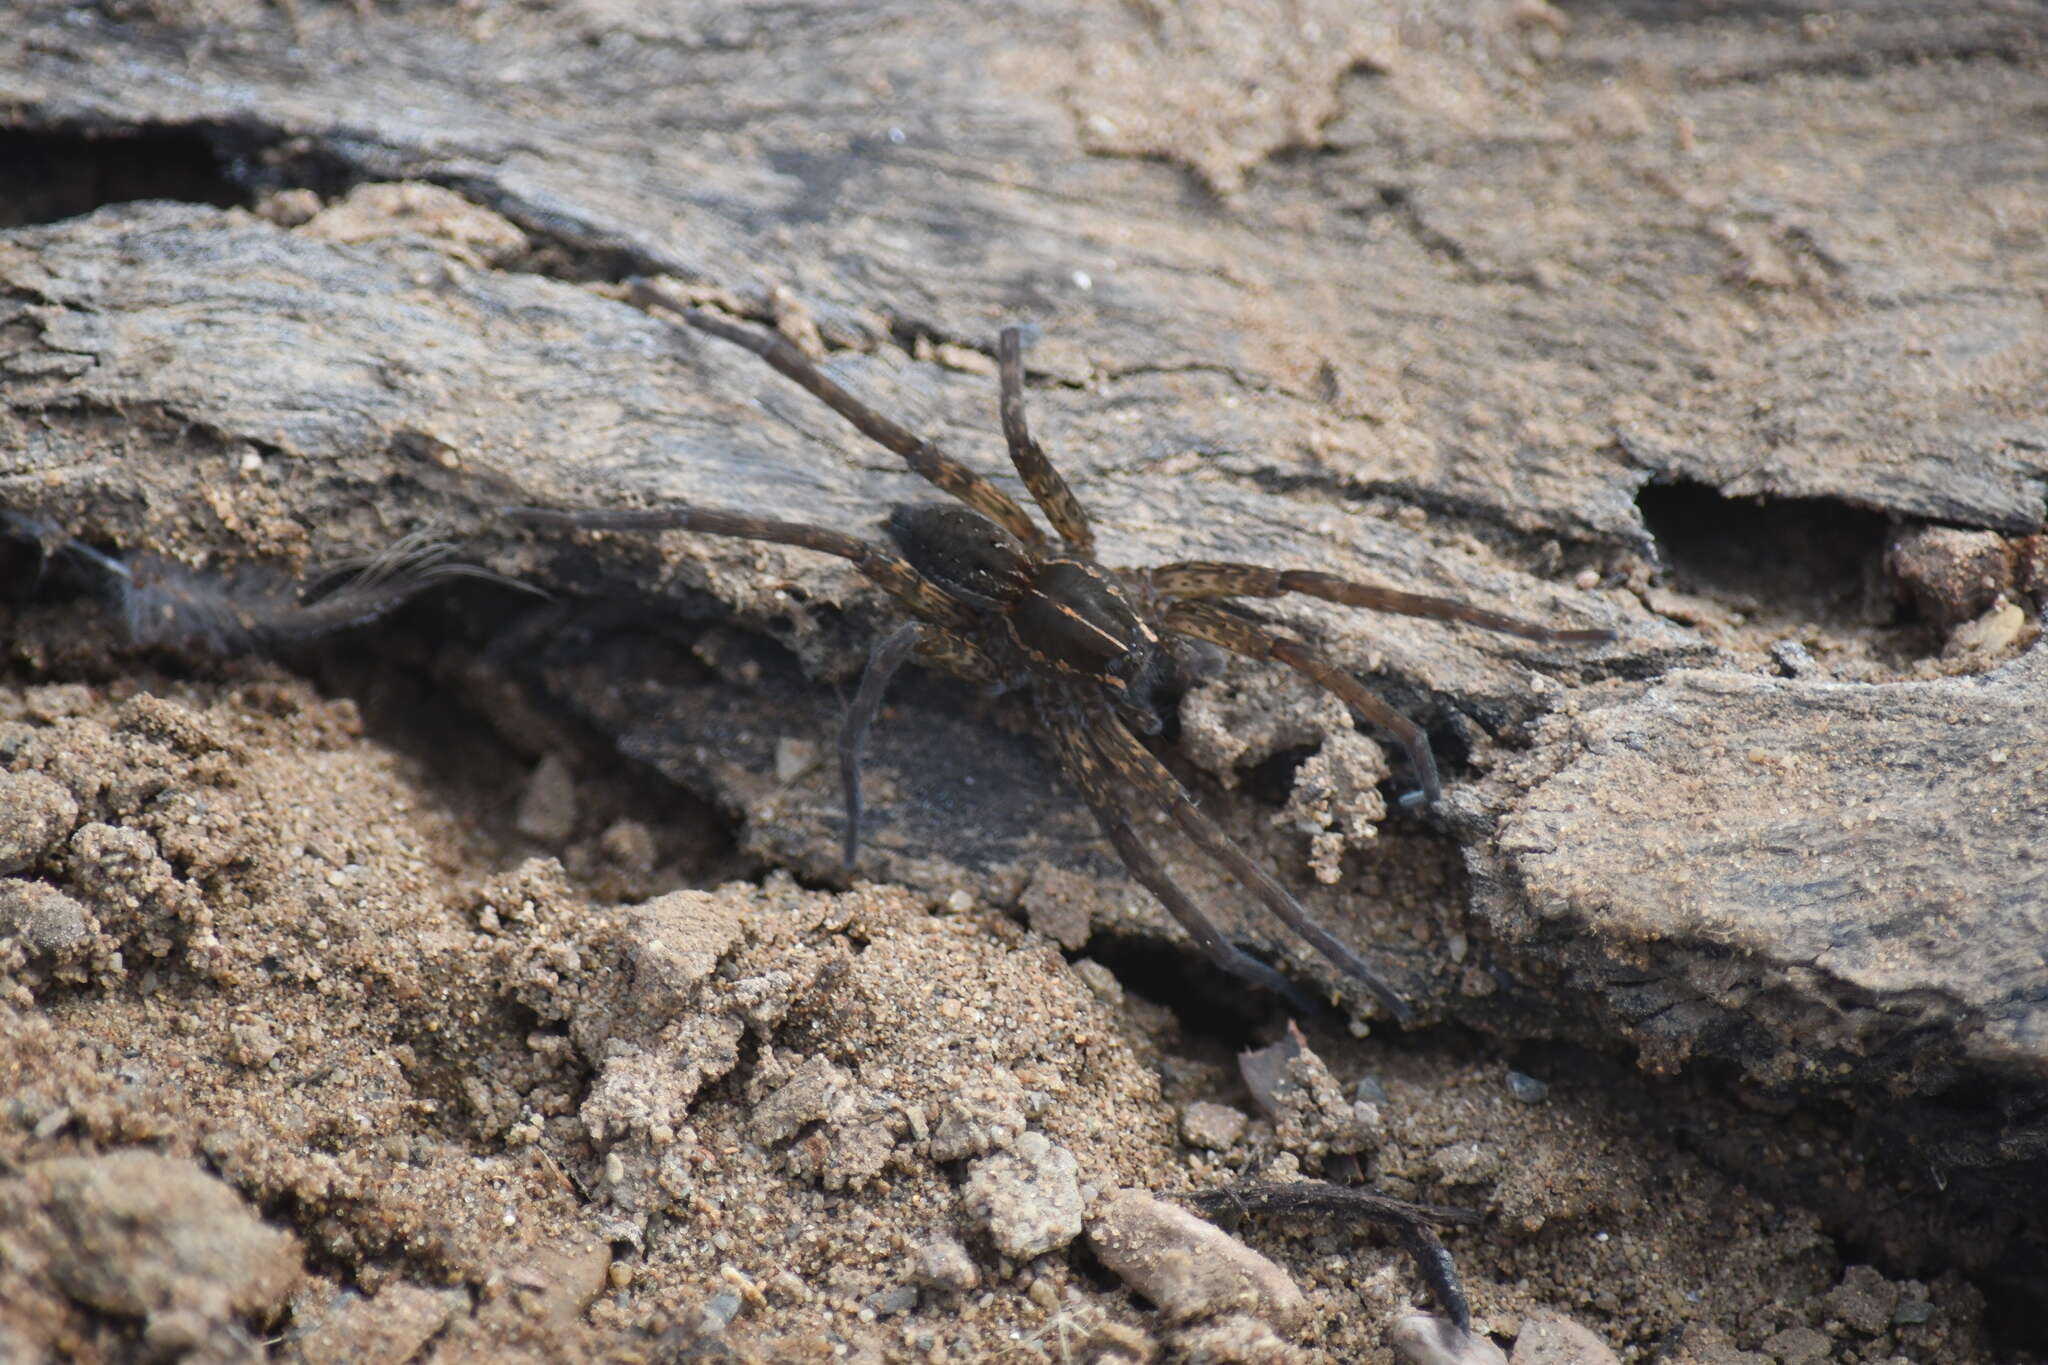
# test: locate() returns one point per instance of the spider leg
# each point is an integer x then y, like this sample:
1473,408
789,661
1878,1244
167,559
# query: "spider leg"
926,459
1085,768
1196,578
1048,487
1249,638
891,652
1139,767
924,598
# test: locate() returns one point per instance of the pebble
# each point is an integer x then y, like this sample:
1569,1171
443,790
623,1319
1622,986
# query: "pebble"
36,815
1214,1127
1420,1339
1548,1339
1028,1197
944,1264
1186,1267
1527,1088
547,808
893,1300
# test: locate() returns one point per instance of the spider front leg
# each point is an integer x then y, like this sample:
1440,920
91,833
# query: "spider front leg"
1084,767
925,599
1048,487
1198,578
1254,641
1140,768
924,457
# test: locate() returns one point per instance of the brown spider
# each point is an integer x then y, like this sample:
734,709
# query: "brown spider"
995,602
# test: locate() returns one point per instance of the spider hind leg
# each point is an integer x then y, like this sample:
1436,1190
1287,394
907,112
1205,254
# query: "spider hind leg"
1084,766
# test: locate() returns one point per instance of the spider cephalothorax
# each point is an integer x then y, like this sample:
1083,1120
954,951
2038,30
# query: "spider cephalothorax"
994,600
1057,616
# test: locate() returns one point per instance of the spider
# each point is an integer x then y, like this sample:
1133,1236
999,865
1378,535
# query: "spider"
993,600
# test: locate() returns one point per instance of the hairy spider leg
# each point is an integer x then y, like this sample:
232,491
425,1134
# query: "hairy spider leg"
1141,768
890,653
1048,486
924,598
924,457
1066,724
1255,641
356,591
956,655
1197,578
1415,1223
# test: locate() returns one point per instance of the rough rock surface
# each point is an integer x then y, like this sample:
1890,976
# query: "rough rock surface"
1861,871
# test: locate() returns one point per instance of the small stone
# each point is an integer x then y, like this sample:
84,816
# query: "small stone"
1186,1267
1794,660
36,816
1527,1088
944,1264
896,1299
719,1311
1798,1345
45,920
1864,1299
1420,1339
1549,1339
1370,1090
1029,1197
1100,980
1988,635
1214,1127
793,758
547,809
